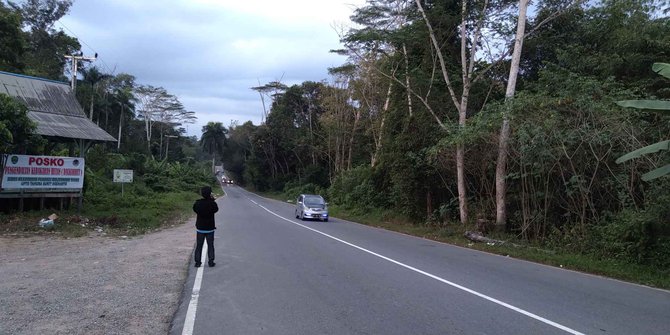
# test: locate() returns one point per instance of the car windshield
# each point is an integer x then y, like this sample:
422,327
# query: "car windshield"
314,201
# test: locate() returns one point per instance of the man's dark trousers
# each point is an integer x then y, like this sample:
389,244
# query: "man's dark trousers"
200,239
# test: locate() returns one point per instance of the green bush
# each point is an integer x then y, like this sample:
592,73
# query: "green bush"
159,189
636,235
633,236
293,189
357,189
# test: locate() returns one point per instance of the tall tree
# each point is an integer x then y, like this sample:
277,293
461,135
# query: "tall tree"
213,139
47,46
15,125
155,104
272,90
123,100
12,41
381,43
503,146
95,79
42,14
470,30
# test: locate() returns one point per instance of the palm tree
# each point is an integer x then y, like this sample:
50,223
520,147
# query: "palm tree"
213,139
94,77
124,99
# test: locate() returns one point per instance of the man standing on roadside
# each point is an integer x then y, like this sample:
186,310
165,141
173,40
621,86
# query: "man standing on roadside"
204,225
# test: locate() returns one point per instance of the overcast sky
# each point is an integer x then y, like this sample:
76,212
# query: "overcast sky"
210,52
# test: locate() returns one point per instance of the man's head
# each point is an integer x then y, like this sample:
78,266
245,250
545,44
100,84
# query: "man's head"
206,192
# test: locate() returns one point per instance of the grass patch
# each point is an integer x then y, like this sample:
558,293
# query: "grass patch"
453,234
141,214
113,214
25,224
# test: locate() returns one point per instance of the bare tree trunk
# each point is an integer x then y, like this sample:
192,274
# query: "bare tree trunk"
311,133
503,144
90,109
379,144
460,168
408,89
160,146
351,139
429,204
265,111
337,154
147,125
118,143
106,112
462,105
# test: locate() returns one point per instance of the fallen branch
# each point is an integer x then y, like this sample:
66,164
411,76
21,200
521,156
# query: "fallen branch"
478,237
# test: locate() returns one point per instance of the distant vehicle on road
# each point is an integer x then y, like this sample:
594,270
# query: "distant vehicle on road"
225,179
311,206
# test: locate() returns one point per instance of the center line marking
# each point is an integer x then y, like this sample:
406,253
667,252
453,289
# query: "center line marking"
460,287
189,322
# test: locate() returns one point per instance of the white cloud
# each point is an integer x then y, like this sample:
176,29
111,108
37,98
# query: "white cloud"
291,12
210,52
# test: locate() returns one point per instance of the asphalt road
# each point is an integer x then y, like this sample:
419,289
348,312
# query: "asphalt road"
278,275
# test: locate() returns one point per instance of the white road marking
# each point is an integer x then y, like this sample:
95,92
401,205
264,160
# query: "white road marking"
460,287
189,322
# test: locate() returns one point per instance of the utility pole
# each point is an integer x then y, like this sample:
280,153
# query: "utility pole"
75,60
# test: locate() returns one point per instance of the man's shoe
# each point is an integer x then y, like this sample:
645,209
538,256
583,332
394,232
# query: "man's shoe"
211,264
197,264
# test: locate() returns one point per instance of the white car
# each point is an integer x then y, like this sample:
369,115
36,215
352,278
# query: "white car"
311,206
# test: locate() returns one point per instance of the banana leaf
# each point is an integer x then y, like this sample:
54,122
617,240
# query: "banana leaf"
660,172
662,68
656,147
661,105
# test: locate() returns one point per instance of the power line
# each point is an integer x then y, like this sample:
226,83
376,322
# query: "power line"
88,45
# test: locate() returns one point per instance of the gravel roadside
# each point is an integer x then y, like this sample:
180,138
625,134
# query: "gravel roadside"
94,284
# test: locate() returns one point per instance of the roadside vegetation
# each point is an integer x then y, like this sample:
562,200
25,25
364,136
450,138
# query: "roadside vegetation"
148,122
563,254
389,141
160,195
422,130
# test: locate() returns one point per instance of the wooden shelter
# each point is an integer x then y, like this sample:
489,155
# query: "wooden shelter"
55,109
53,106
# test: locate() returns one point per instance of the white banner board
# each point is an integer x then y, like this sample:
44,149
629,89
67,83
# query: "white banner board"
40,172
123,176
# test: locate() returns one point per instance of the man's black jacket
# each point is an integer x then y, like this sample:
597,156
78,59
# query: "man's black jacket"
205,209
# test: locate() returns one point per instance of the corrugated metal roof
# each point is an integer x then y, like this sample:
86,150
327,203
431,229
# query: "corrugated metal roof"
53,106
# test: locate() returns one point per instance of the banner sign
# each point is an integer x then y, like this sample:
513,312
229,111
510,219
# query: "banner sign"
123,176
38,172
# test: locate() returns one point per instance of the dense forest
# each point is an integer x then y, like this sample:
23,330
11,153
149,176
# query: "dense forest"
413,122
445,112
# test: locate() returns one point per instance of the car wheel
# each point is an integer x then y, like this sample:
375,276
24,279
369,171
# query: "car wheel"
296,214
325,220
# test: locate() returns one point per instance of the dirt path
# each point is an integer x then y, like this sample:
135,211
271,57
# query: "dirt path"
94,284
